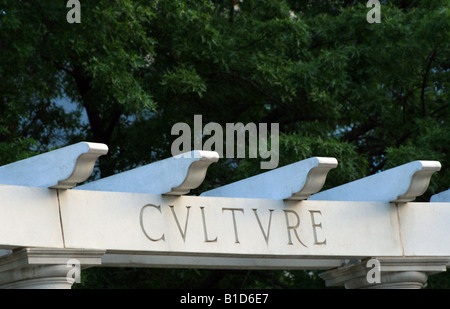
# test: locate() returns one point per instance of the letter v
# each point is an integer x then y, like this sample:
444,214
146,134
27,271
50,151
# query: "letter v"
183,234
266,236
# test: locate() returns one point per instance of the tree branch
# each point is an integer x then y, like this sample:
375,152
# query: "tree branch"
425,80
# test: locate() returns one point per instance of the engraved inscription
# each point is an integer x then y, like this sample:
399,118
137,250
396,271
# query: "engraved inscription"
265,234
182,232
204,227
234,221
141,221
292,228
316,225
161,223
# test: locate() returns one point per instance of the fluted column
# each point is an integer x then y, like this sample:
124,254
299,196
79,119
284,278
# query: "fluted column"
385,273
32,268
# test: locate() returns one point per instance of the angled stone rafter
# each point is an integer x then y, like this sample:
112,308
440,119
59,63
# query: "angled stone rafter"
58,169
400,184
173,176
442,197
296,181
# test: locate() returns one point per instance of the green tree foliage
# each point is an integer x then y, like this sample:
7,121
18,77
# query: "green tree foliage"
372,95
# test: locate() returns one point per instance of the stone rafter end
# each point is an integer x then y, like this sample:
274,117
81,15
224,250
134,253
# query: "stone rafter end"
62,168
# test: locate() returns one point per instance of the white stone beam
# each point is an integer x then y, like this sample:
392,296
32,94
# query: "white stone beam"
124,259
443,197
400,184
173,176
58,169
296,181
29,217
231,228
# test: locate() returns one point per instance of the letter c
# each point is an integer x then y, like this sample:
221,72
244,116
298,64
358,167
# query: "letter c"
141,220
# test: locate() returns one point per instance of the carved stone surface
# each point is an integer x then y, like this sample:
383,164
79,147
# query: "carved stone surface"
173,176
221,227
60,169
296,181
400,184
211,226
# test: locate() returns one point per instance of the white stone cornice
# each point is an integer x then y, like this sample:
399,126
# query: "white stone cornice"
296,181
42,256
58,169
40,268
443,197
400,184
173,176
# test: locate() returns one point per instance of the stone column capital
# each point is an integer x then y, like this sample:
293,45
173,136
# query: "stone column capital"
393,273
37,268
